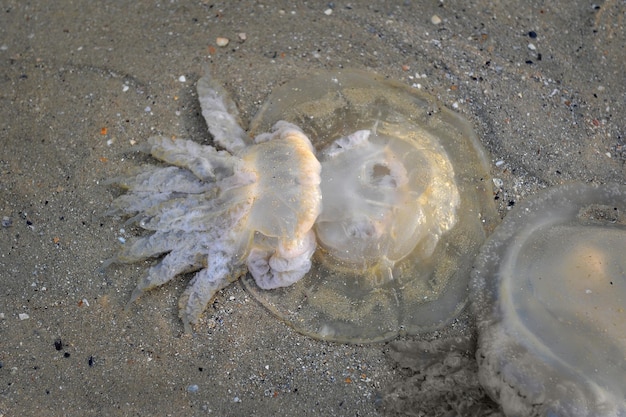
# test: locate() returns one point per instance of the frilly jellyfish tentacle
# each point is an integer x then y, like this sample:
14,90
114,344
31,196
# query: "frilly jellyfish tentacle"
206,162
150,246
171,179
153,186
203,286
221,115
174,263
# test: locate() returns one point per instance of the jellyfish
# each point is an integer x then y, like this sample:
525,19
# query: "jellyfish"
549,293
352,207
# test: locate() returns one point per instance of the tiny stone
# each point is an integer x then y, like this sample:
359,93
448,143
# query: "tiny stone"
498,182
6,221
182,78
192,388
221,41
532,34
328,12
236,400
499,163
532,47
242,36
435,20
125,88
23,316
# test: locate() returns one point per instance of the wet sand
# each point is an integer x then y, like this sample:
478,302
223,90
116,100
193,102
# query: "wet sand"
82,82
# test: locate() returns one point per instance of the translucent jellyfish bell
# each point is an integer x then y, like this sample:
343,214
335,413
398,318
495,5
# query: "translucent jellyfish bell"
549,292
406,202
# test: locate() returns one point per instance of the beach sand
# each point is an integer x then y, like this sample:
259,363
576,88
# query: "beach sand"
82,82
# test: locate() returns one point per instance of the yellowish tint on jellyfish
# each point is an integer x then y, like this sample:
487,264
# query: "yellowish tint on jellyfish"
549,291
406,204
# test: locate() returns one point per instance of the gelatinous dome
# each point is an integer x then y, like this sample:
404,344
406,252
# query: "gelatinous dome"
406,202
549,292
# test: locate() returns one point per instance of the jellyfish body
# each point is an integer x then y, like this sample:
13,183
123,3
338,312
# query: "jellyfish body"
549,292
364,231
406,204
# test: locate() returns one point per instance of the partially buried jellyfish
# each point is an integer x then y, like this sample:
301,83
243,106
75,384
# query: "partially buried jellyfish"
549,292
375,239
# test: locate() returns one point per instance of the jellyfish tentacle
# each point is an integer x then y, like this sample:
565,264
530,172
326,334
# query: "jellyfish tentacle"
154,186
149,246
154,178
205,284
191,214
205,162
221,114
173,264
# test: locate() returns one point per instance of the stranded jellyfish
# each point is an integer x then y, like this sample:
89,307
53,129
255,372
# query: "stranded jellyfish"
549,292
356,205
406,201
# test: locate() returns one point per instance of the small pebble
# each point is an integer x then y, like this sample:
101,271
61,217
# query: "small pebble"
23,316
6,221
498,182
221,41
242,36
182,78
147,109
532,47
236,400
435,20
192,388
125,88
328,12
499,163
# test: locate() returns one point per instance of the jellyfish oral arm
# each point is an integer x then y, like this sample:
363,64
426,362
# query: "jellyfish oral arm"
221,114
203,286
283,266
